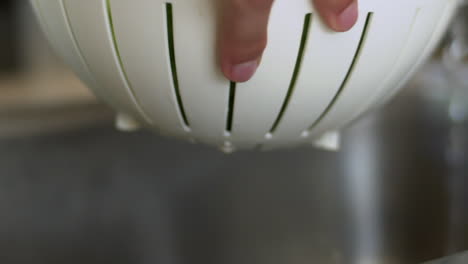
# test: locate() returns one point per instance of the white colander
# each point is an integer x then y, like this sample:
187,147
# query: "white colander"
155,62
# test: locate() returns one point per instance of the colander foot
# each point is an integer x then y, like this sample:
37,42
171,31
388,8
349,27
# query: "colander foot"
228,148
330,141
126,123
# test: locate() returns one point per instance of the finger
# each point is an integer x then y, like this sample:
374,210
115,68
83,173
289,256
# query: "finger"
340,15
242,37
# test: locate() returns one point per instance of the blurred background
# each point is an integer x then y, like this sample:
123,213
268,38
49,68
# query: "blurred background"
74,190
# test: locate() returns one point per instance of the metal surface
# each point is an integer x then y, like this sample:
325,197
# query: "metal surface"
456,259
395,194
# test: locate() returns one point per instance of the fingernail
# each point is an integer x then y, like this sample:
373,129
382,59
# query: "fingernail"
347,18
244,71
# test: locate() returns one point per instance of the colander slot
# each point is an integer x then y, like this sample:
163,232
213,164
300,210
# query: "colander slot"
172,59
350,71
231,103
120,62
297,69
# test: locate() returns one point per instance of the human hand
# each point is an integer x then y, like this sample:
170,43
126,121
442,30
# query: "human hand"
243,33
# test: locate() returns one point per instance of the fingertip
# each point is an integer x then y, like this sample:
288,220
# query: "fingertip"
240,72
239,62
346,19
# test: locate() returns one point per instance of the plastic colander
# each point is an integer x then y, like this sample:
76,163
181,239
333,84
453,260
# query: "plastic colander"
155,63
